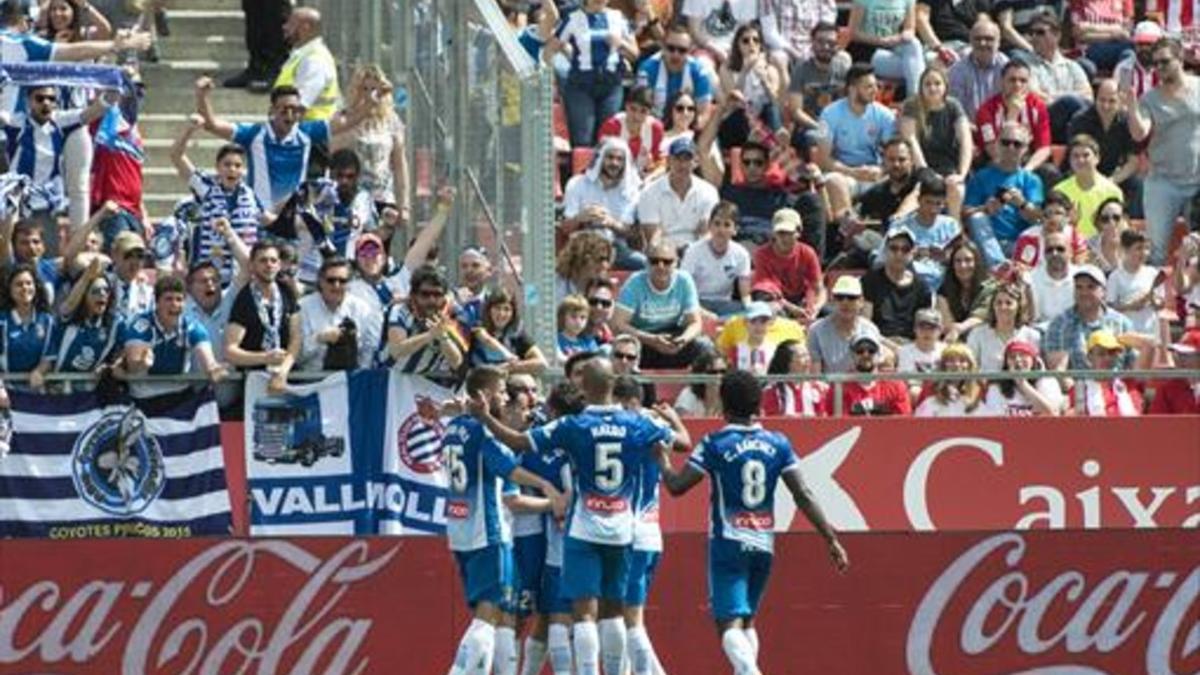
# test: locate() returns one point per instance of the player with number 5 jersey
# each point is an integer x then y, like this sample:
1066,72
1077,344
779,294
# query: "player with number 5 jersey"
477,530
745,463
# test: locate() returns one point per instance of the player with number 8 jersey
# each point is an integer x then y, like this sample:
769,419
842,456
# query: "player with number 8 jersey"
745,464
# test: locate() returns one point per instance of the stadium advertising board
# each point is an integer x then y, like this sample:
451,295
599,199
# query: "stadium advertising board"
984,474
1111,601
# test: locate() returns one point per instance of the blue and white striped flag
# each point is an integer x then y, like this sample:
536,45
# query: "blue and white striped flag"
81,468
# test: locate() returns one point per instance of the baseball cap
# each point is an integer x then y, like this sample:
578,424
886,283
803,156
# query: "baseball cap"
758,310
682,146
865,337
367,241
128,241
1147,33
928,317
1021,347
1092,272
1189,343
902,231
847,284
785,220
1104,339
473,252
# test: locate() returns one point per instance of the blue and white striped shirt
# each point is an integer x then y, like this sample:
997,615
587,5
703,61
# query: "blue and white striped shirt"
587,33
20,48
277,165
36,150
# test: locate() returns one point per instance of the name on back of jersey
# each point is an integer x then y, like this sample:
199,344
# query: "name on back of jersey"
608,431
750,445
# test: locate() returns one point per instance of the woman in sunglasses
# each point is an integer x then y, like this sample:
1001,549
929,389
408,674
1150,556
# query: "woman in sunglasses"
1104,247
755,83
84,340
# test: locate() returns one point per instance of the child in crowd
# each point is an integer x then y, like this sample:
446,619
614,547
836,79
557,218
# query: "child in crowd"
573,314
1134,288
923,354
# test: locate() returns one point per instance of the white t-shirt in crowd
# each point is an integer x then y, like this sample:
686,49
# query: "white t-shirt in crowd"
1124,286
910,358
716,276
1051,297
988,346
996,405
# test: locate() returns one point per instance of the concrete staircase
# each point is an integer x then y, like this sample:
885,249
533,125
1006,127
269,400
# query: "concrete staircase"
207,38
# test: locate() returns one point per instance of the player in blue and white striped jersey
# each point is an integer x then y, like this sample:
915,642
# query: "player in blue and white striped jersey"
478,533
745,463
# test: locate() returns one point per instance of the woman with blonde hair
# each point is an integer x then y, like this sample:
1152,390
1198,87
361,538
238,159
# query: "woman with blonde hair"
939,133
379,140
954,398
586,256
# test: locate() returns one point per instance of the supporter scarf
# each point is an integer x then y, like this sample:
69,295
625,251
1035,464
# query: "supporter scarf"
53,73
797,398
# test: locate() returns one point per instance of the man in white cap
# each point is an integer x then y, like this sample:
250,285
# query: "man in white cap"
1066,338
875,397
1136,71
793,266
829,337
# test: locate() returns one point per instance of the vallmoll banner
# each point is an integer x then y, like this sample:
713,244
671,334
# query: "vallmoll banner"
356,453
79,466
983,474
1120,602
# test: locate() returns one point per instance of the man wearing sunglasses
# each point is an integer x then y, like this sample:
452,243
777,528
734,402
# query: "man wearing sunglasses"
661,308
1003,198
334,322
1061,82
673,70
1169,115
875,397
1015,102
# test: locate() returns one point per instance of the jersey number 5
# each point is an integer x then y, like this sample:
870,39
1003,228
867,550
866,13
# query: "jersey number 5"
610,472
456,467
754,483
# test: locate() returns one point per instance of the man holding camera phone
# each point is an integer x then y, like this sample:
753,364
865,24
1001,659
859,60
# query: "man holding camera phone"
1003,198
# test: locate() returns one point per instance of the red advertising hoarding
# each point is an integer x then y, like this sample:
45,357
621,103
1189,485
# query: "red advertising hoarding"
1112,601
954,474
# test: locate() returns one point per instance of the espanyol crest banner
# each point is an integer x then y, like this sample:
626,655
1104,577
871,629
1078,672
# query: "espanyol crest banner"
82,467
356,453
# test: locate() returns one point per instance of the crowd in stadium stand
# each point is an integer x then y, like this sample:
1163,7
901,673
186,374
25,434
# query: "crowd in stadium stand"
753,185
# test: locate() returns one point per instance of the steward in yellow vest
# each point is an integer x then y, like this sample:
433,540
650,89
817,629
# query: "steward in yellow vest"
311,67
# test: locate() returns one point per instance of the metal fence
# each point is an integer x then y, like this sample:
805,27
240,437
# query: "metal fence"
479,115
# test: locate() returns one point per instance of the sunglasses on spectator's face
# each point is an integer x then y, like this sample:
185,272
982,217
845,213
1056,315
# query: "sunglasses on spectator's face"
754,161
867,350
1056,249
99,291
662,261
431,293
337,281
1012,143
624,356
845,298
676,49
750,40
600,302
45,98
1110,218
680,107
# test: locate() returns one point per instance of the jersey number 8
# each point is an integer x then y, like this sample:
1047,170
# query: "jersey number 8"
754,483
456,467
610,472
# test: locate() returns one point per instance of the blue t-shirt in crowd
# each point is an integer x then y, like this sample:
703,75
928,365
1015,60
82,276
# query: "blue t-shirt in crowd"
656,311
1008,223
277,165
172,349
79,347
22,344
581,343
857,141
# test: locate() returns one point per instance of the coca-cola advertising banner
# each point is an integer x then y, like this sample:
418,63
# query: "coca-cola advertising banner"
1113,601
984,474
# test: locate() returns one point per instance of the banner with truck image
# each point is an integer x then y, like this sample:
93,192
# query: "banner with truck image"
356,453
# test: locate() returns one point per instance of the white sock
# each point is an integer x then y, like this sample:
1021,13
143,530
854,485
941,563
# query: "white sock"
560,649
535,657
475,649
506,651
641,652
612,645
739,651
587,648
752,636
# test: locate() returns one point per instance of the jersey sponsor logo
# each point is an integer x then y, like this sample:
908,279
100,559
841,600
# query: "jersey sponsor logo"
604,504
117,465
749,520
419,440
458,510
